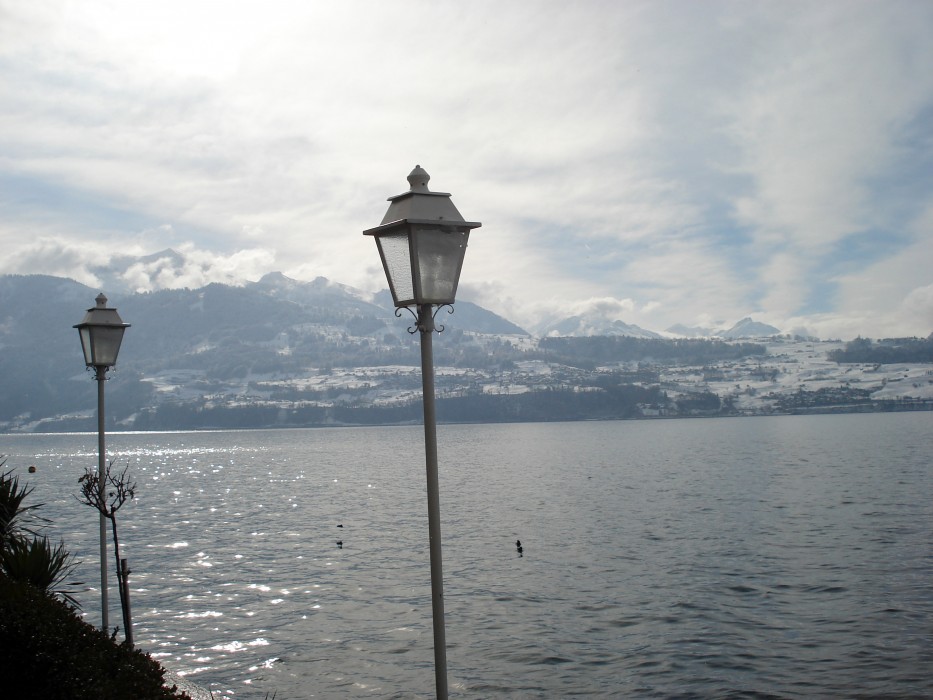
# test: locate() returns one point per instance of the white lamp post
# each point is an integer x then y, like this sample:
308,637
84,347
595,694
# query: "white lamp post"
101,333
422,240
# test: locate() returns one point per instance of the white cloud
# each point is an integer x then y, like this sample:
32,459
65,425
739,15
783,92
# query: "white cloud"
816,128
784,280
699,160
919,303
196,268
58,257
101,263
891,297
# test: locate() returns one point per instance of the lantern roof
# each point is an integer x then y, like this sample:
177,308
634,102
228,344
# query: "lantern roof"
420,205
101,315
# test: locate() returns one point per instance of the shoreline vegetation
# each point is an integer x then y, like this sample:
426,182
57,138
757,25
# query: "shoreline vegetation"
46,650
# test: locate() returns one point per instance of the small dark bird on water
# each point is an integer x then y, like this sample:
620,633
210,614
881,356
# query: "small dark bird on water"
339,544
340,525
518,546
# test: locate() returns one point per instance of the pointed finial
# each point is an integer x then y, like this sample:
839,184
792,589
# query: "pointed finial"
418,179
101,301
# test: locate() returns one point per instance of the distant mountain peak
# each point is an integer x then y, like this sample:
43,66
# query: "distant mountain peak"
584,326
276,279
167,254
749,328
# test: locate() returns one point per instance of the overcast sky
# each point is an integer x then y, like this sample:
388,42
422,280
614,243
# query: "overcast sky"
658,162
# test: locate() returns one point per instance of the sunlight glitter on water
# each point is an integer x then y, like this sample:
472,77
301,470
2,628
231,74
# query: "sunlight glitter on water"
675,558
240,646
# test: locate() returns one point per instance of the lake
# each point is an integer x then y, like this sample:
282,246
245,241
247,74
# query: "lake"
785,557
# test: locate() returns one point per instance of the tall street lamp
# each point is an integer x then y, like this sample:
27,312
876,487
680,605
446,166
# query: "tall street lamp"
422,240
101,333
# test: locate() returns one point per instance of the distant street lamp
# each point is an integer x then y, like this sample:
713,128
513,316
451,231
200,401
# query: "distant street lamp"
101,333
422,240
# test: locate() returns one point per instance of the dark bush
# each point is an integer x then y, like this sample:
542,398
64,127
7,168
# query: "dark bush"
47,651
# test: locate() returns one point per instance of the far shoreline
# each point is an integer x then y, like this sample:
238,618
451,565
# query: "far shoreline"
916,406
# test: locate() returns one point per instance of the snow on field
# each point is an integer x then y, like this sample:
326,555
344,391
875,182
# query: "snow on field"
754,384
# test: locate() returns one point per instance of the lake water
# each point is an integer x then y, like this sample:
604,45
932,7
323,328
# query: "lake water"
785,557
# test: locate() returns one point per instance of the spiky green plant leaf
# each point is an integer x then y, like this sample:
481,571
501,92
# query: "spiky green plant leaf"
37,562
15,518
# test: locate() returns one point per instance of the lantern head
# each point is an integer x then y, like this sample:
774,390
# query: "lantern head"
101,333
422,241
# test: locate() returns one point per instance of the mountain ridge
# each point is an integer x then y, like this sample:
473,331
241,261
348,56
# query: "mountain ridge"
284,353
166,269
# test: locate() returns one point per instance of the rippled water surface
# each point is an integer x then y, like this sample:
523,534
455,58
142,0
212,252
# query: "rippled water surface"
781,557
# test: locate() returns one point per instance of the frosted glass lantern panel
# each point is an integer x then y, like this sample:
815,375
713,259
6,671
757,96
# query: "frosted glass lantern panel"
397,260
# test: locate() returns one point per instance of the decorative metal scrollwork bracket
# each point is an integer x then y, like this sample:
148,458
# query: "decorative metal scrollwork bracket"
100,373
420,324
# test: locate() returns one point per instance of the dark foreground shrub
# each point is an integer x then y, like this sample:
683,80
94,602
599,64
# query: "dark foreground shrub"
47,651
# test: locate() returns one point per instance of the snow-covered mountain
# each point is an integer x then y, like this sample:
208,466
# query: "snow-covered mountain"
182,340
279,352
171,269
748,328
585,326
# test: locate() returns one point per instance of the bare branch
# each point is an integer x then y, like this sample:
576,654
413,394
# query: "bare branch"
118,489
